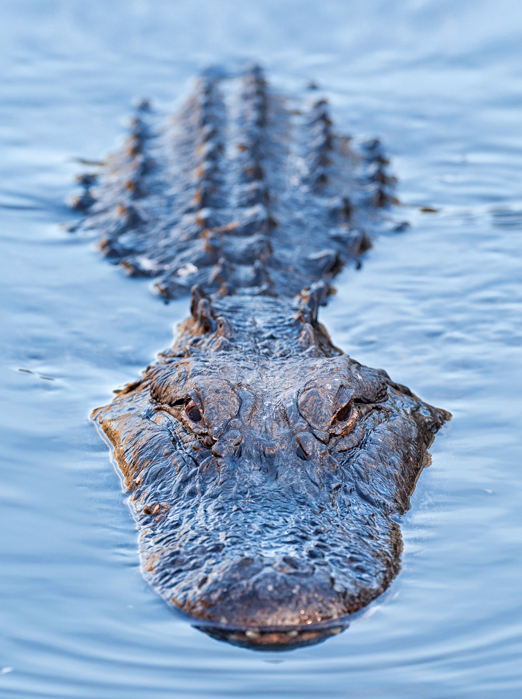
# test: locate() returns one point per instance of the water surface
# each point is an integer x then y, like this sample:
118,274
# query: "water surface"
438,306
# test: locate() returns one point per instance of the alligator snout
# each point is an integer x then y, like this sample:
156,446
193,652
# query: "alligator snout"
279,602
266,502
273,592
271,563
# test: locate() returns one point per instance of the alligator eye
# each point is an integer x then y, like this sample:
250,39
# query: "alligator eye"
343,414
192,412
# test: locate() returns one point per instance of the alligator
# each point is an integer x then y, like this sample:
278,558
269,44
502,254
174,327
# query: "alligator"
266,469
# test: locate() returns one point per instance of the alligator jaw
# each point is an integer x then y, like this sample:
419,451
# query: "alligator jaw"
275,638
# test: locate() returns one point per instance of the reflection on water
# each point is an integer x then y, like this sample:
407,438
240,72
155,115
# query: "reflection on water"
437,305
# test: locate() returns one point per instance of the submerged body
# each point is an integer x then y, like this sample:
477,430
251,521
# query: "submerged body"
266,468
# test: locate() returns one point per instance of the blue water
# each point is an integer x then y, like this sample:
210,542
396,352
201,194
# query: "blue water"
438,306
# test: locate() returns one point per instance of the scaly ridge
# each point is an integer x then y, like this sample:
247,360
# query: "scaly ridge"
177,202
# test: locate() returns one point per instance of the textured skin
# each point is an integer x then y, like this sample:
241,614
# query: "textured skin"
266,469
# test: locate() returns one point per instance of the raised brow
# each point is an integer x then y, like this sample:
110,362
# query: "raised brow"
319,401
220,402
169,383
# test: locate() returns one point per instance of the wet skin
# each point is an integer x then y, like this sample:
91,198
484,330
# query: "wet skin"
266,469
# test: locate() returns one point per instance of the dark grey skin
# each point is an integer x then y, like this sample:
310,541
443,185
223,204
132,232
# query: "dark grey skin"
266,469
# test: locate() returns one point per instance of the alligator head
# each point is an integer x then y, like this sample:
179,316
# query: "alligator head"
267,489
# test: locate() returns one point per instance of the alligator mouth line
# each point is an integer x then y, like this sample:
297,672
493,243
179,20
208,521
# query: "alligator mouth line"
281,637
266,470
274,638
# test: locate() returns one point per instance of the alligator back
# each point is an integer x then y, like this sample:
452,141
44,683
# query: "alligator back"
241,190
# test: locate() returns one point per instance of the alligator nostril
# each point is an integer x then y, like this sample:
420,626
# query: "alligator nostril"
291,562
300,453
245,562
314,553
269,450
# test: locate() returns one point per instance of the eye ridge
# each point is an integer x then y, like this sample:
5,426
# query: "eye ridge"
355,409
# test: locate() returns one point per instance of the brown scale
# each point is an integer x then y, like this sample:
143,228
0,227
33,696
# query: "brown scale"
134,184
378,175
254,117
136,139
134,150
209,148
204,100
128,218
83,201
254,191
255,93
380,198
222,277
138,163
205,195
321,143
